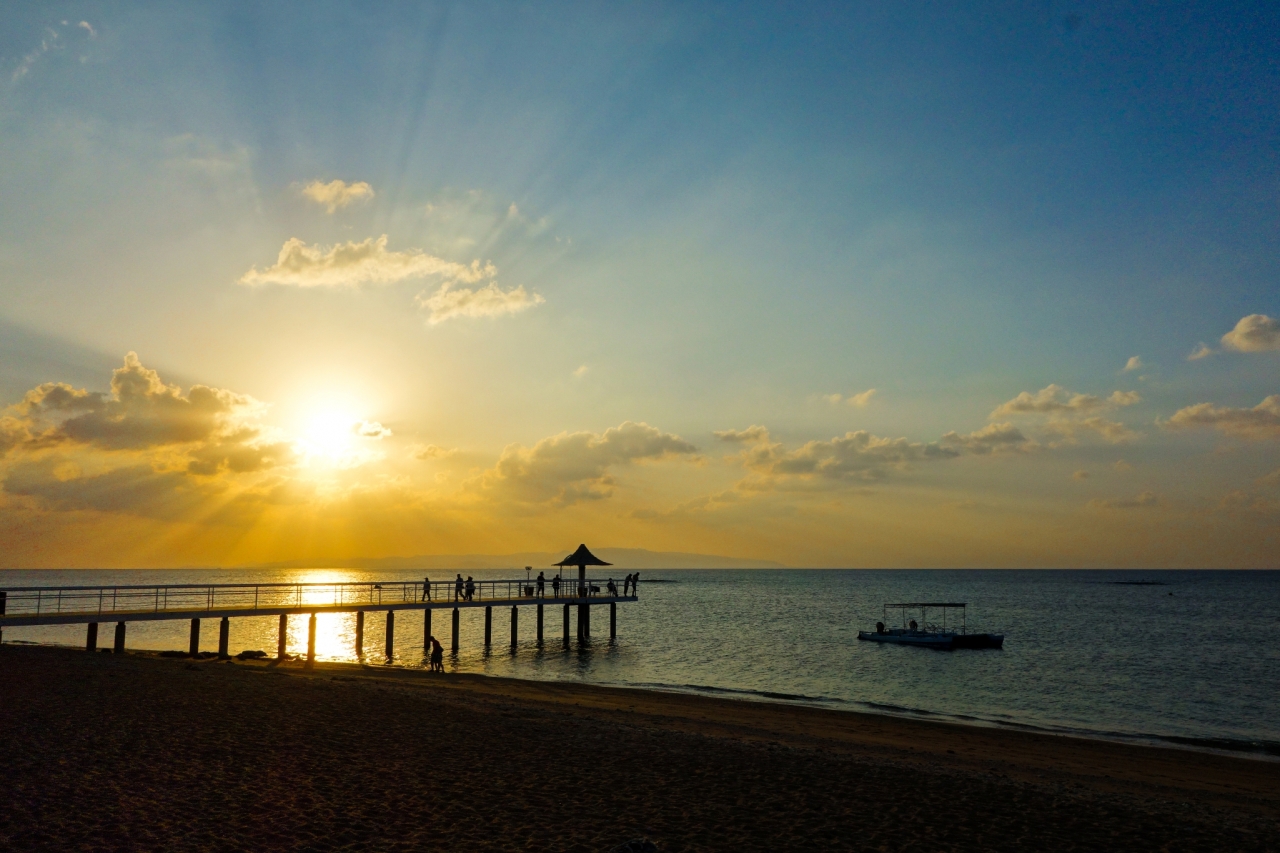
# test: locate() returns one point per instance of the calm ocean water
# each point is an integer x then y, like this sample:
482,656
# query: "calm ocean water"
1189,657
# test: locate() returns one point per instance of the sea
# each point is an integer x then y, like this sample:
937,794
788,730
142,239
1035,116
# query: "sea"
1183,658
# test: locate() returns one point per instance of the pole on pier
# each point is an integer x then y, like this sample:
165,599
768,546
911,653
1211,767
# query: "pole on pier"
488,626
224,638
311,640
391,634
539,624
566,626
426,631
455,630
119,644
194,646
91,639
359,634
613,621
283,639
515,622
3,596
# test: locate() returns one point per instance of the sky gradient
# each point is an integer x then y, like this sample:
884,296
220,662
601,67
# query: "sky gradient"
827,285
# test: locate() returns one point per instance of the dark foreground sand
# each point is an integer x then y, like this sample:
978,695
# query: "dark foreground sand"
100,752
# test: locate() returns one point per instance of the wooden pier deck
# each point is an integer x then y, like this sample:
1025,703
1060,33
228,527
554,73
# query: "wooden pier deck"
91,605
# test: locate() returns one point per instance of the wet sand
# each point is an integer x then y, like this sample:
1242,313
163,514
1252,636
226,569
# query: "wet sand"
136,752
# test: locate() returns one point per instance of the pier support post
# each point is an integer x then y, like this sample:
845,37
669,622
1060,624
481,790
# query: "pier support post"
224,638
539,624
515,622
311,640
91,638
359,634
282,639
118,648
391,634
426,631
3,596
613,621
566,626
193,648
488,626
455,630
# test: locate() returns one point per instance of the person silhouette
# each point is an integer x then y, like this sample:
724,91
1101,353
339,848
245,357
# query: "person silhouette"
426,589
437,655
542,585
555,586
471,588
457,588
613,588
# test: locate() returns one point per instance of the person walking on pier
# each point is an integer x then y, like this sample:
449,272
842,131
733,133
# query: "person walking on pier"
426,589
471,588
542,584
457,588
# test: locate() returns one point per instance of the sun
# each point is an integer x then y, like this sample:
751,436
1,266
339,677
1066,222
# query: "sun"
329,436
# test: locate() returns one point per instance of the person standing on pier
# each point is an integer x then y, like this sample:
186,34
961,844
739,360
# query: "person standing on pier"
555,586
542,584
635,584
457,588
626,585
426,589
471,588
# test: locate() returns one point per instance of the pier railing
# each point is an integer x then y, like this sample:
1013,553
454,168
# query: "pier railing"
169,598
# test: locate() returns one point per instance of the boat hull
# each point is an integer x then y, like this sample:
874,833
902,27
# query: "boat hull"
944,642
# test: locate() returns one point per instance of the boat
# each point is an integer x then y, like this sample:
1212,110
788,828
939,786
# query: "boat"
928,634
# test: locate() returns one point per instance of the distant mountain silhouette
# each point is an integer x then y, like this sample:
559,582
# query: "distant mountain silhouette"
623,558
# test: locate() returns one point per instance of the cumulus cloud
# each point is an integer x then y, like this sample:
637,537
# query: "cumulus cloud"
1069,414
371,429
1260,422
1202,350
354,264
993,438
337,194
431,451
1134,363
572,467
856,455
1146,499
1255,333
859,400
132,489
488,301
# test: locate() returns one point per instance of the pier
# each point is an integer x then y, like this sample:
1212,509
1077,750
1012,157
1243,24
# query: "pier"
92,606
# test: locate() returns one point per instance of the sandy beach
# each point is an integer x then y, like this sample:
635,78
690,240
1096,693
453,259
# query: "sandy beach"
137,752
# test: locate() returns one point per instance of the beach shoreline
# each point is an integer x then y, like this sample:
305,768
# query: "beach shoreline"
94,736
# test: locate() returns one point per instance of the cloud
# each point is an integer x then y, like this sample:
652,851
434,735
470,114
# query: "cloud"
1080,475
1069,414
580,372
489,301
88,27
371,429
1259,423
140,411
1255,333
1146,499
993,438
572,467
854,456
1048,400
1134,363
1121,466
1202,350
858,400
337,194
354,264
133,489
431,451
750,435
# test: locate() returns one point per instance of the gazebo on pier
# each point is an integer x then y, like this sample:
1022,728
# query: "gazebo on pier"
583,558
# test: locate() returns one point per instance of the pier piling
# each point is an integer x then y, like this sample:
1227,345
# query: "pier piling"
426,631
224,638
283,638
391,634
566,626
311,640
91,638
539,624
515,622
613,620
488,626
193,647
118,648
359,634
455,630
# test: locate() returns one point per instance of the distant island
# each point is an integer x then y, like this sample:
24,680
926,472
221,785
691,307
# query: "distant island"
622,558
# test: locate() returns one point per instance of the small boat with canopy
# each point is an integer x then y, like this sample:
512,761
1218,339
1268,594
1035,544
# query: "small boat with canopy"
932,635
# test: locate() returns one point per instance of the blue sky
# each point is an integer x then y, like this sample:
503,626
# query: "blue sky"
730,213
